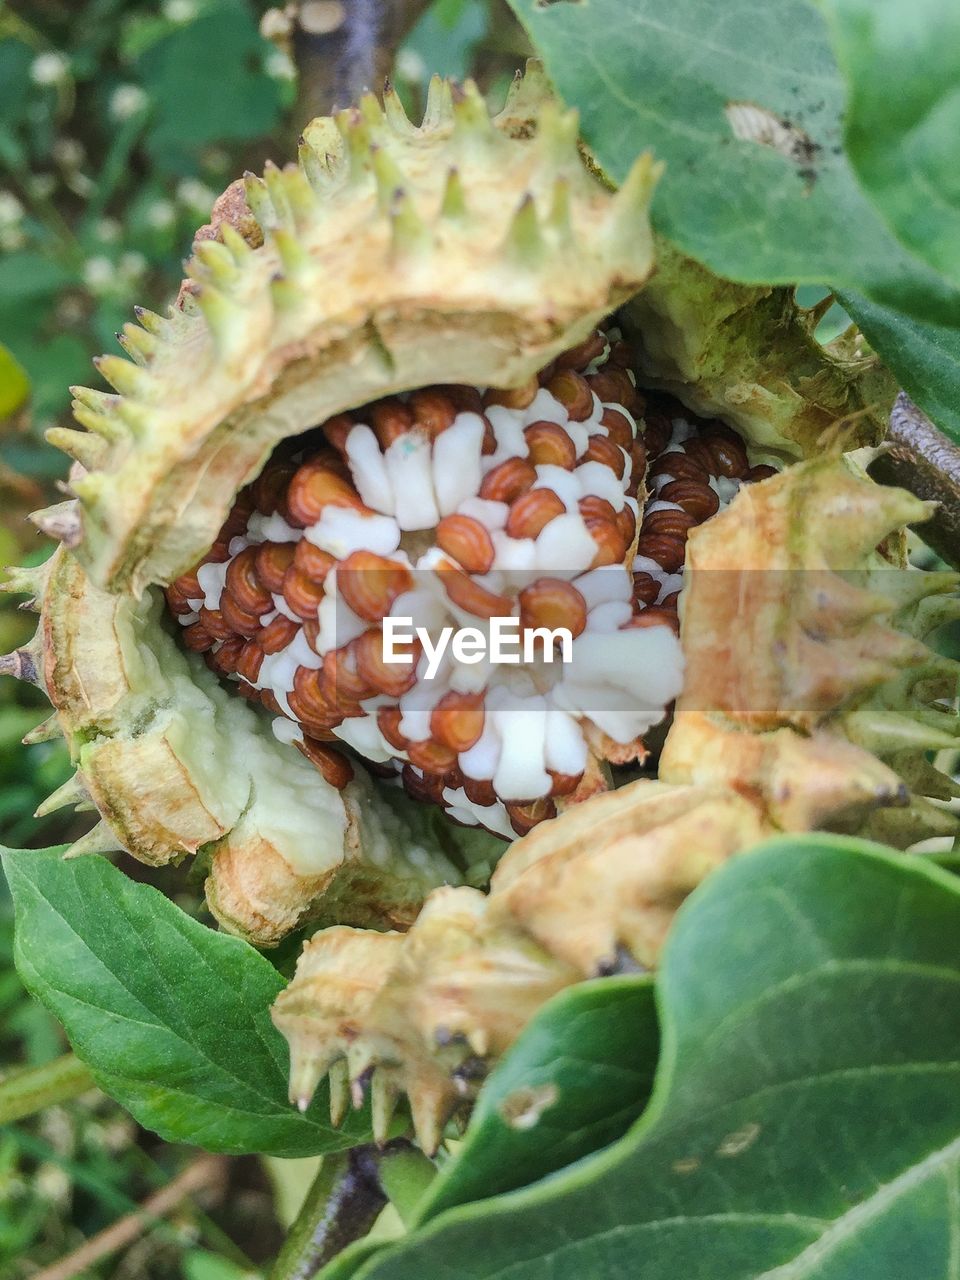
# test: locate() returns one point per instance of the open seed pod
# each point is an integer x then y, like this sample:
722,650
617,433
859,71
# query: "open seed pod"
401,380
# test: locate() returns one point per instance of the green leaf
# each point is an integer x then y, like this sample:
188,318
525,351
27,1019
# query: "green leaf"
902,65
646,75
171,1017
575,1081
805,1123
194,102
200,1265
925,357
14,383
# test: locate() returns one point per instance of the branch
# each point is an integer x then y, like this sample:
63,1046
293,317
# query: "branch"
342,47
206,1171
924,461
341,1206
26,1092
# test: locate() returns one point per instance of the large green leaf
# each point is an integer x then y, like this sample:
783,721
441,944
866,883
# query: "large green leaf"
664,77
171,1017
194,102
649,75
902,65
805,1123
575,1081
926,358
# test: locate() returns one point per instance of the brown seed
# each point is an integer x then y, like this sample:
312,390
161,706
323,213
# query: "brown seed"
618,429
428,789
302,594
277,634
524,817
238,620
457,720
270,487
579,357
250,661
313,562
679,466
224,659
432,410
336,430
177,601
272,562
550,445
269,700
654,616
214,622
489,445
344,681
667,551
721,456
657,428
612,386
217,554
506,482
311,629
532,511
627,524
189,585
621,354
315,486
603,450
391,678
479,791
197,638
370,583
638,460
432,757
464,399
564,783
611,546
240,513
468,541
244,585
674,523
573,392
719,430
468,594
309,699
388,722
646,588
698,499
390,419
512,397
762,472
595,508
552,603
332,764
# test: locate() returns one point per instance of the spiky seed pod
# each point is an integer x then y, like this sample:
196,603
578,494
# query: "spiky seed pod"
403,278
784,703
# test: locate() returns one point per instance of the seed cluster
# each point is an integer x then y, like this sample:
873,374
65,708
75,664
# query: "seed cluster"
452,503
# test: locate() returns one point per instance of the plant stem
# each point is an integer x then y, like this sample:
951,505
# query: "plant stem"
32,1090
342,1205
924,461
353,53
205,1171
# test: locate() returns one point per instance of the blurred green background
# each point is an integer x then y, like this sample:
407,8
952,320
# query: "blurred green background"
120,123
